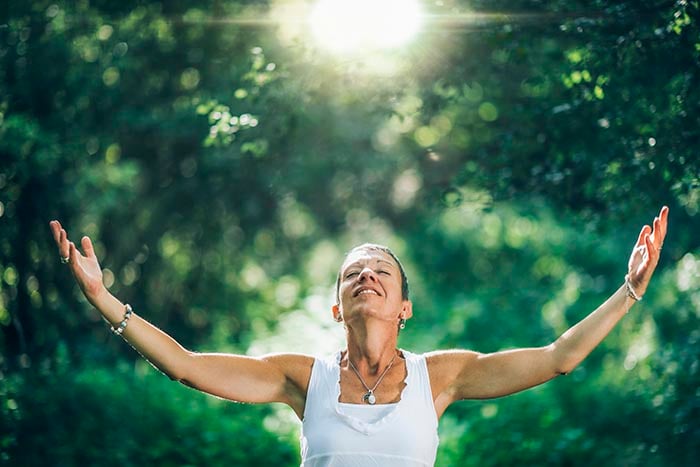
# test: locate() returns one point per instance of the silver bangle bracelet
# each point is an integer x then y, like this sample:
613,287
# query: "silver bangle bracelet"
630,290
119,329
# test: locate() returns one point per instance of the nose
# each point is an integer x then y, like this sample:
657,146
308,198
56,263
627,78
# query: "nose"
367,274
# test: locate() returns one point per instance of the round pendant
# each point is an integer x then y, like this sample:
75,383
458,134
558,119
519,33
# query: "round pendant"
369,397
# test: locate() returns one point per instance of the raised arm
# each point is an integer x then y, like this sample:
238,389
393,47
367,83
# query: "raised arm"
273,378
457,375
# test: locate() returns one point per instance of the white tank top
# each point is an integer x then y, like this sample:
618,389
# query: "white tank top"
337,434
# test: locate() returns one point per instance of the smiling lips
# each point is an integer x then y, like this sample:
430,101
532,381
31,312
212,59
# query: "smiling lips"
366,291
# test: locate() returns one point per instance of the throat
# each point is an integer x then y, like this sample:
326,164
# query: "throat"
362,384
371,343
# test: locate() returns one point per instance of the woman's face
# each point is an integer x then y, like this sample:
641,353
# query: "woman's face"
370,286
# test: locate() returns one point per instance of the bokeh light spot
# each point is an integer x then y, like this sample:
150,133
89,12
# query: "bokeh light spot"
110,76
488,112
426,136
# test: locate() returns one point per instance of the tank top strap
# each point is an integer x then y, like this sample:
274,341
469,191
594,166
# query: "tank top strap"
418,380
325,375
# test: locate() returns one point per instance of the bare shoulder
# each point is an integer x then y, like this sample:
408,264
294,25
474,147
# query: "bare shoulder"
445,365
444,369
295,367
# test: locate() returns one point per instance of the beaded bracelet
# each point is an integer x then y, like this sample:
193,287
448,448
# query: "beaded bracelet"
630,291
119,329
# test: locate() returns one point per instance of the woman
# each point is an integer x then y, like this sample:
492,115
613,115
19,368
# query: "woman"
371,403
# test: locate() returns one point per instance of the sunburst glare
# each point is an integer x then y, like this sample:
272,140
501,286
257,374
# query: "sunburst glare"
362,25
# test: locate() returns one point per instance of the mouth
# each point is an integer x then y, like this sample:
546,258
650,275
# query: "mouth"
365,291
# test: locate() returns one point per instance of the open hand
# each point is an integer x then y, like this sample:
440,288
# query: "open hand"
85,268
646,252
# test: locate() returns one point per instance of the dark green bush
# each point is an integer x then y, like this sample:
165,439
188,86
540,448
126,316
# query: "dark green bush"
115,416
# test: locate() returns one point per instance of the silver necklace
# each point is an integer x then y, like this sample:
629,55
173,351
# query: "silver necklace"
369,395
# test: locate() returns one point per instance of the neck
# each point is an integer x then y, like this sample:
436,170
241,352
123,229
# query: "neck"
371,348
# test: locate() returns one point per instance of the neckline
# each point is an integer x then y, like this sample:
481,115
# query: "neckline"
369,396
402,355
391,408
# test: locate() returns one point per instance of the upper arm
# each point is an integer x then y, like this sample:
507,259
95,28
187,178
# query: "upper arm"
461,374
271,378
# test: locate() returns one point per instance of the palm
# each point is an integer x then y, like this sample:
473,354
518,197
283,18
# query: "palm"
646,252
88,273
85,268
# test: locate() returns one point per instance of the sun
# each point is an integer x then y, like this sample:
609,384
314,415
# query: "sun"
364,25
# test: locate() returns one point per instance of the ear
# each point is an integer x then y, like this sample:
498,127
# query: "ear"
406,309
337,315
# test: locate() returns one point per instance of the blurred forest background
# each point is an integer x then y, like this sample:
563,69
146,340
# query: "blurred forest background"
223,160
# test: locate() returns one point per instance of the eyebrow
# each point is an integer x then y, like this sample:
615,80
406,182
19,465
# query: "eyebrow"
355,264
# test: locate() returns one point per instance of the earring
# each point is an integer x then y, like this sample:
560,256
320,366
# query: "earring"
402,323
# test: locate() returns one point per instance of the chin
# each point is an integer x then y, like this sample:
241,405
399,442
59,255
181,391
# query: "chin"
366,312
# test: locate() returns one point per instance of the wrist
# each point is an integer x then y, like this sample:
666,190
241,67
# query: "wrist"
632,292
99,298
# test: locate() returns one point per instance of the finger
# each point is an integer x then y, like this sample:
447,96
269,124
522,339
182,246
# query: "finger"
63,245
660,224
655,232
55,230
651,248
663,215
645,231
73,254
87,247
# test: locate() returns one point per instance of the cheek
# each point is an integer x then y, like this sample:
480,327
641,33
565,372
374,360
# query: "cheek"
393,283
344,290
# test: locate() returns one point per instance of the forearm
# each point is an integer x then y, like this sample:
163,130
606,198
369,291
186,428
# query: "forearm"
233,377
153,344
580,340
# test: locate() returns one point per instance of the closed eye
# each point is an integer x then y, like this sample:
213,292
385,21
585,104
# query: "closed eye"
351,274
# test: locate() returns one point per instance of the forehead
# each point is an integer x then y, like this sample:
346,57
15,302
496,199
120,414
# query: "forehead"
368,255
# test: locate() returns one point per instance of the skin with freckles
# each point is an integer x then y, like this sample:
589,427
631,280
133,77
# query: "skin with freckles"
371,301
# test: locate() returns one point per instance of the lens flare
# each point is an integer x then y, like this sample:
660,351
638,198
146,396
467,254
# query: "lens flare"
361,25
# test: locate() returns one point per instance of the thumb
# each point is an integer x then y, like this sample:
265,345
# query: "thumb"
87,246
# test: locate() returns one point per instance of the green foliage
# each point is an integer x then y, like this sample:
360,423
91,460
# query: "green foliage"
630,403
223,164
114,416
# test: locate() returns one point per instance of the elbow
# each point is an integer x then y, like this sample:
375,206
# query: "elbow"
179,370
563,363
185,382
177,377
566,367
